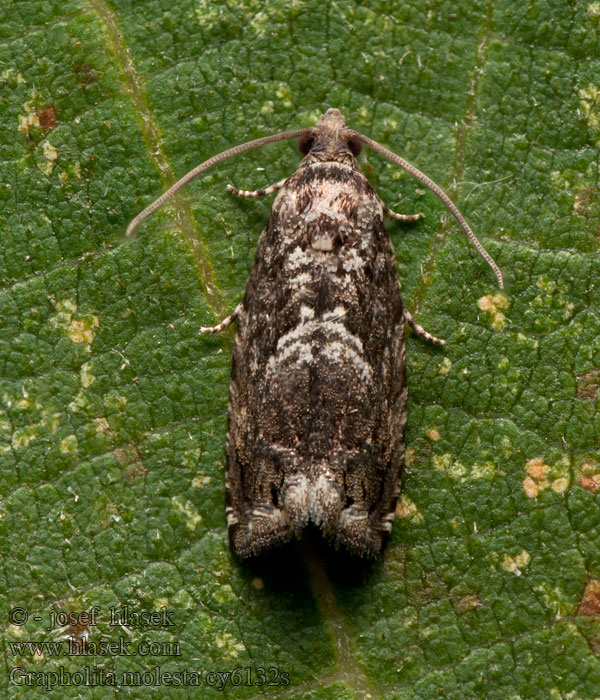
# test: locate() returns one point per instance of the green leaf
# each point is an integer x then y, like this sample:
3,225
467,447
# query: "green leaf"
113,407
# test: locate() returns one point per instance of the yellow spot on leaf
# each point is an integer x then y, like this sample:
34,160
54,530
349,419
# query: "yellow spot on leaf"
589,97
224,595
50,156
483,471
594,9
445,366
187,509
229,645
530,488
540,476
469,602
454,469
68,444
29,119
82,330
66,306
433,434
260,23
285,95
190,458
102,425
86,378
492,304
546,284
516,563
560,485
556,601
406,509
80,402
115,401
22,437
79,328
9,73
455,523
589,466
442,462
536,479
201,481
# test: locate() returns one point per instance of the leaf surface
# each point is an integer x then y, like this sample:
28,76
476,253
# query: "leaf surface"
113,407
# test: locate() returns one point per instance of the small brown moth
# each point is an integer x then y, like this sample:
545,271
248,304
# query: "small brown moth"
317,400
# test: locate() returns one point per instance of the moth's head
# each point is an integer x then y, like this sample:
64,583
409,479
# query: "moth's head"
330,141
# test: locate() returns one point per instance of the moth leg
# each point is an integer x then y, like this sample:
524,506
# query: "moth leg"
399,217
257,194
224,323
420,331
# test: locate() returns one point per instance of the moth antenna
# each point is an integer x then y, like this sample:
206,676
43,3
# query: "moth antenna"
440,194
208,164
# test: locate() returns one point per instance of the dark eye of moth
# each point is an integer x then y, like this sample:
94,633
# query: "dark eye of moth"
355,147
305,143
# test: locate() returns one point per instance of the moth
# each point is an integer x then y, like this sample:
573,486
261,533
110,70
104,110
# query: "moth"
317,400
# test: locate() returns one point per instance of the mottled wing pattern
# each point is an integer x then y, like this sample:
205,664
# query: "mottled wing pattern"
318,392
